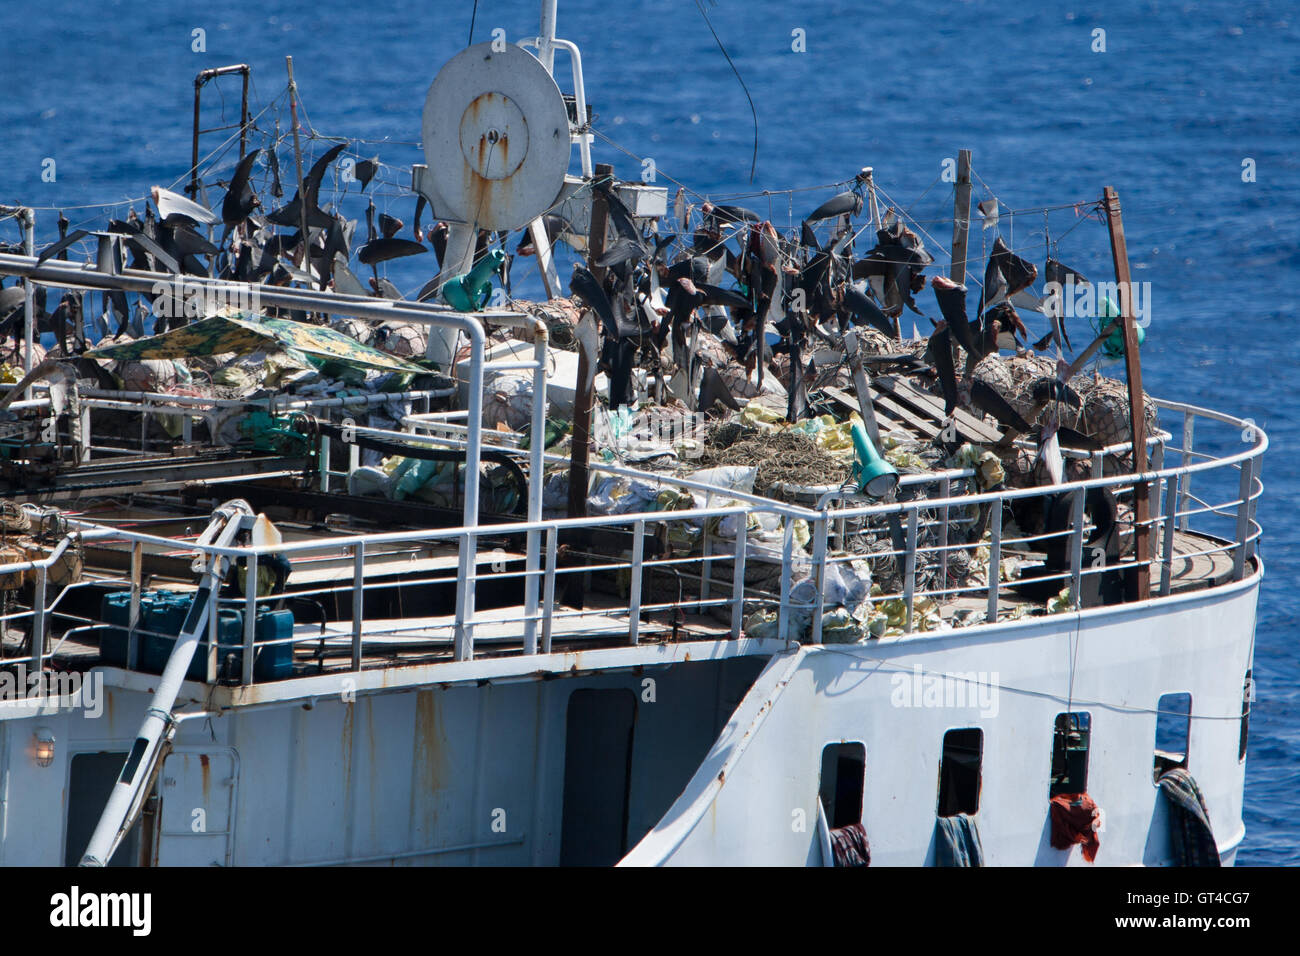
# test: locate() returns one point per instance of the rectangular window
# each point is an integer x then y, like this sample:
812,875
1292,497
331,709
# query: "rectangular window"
843,779
959,771
1070,742
1173,728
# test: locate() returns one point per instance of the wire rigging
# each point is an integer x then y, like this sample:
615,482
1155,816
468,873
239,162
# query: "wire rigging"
753,165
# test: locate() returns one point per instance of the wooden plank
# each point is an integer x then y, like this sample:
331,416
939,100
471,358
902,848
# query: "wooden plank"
918,424
1137,407
584,398
968,427
961,218
862,385
894,424
895,415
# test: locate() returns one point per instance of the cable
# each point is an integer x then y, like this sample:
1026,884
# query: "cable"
754,162
898,667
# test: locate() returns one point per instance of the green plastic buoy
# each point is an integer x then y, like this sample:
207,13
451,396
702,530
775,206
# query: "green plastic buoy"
1114,344
469,292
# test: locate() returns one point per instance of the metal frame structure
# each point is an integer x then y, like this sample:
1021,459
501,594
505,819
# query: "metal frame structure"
537,622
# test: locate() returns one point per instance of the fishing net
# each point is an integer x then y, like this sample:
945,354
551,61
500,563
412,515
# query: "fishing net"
783,457
1024,371
993,371
561,318
1105,410
357,329
147,375
402,340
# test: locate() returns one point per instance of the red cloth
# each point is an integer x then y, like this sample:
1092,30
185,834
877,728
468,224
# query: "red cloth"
1074,820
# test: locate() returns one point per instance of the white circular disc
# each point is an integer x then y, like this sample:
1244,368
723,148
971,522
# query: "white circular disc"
496,137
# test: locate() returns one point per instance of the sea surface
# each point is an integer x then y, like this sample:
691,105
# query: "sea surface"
1187,109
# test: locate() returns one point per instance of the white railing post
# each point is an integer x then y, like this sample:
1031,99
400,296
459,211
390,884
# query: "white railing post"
38,620
1157,487
945,489
250,615
1076,547
1243,519
634,587
536,483
133,617
738,576
358,600
909,567
787,551
819,572
325,464
1256,463
1167,539
467,574
1189,424
995,561
548,595
211,663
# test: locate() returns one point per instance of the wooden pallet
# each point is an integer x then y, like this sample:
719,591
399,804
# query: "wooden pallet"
929,409
899,404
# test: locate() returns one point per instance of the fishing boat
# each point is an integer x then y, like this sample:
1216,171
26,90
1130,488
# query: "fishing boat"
233,637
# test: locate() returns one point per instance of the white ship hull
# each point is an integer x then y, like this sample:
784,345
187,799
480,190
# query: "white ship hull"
433,769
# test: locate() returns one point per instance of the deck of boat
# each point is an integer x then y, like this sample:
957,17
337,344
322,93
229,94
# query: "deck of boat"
601,623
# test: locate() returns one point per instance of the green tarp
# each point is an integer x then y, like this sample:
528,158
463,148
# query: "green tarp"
244,333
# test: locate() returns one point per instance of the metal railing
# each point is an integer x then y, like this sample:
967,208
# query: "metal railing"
695,572
747,553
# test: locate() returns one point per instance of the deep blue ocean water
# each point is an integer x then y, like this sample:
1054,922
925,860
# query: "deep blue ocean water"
1181,96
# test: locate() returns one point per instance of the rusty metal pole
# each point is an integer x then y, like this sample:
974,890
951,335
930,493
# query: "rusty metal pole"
194,145
297,157
200,80
574,591
243,116
584,398
1137,406
961,219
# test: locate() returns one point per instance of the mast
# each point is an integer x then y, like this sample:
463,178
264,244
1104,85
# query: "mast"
546,37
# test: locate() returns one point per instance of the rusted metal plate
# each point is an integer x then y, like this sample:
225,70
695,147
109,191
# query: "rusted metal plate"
496,137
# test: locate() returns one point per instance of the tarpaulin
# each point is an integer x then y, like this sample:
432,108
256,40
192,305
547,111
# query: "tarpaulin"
245,332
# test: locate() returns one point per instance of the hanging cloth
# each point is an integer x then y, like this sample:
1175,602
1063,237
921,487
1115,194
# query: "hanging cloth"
1190,836
957,842
849,846
1074,820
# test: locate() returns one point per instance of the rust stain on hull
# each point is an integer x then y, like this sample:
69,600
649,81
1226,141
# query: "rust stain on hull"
429,762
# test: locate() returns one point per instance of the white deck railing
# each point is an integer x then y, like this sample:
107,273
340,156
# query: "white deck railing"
710,575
